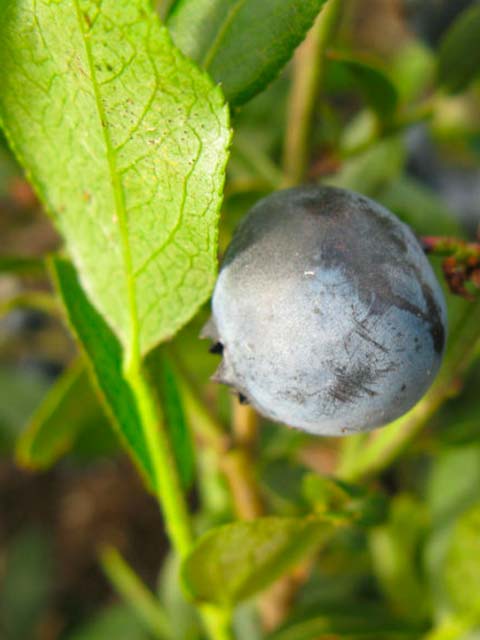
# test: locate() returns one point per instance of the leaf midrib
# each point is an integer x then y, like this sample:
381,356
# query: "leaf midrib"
132,355
215,46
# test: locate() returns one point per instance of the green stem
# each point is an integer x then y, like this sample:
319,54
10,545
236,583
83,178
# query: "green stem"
309,69
350,453
168,486
379,451
451,628
217,622
129,586
169,492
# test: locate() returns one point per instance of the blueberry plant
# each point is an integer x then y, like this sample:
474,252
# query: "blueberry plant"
148,131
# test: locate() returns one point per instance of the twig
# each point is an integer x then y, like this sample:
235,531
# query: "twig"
308,72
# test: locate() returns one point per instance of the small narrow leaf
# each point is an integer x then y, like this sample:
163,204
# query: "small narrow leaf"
235,561
419,206
68,406
135,593
459,55
164,381
104,354
242,43
373,82
462,564
114,621
350,620
125,141
394,548
373,169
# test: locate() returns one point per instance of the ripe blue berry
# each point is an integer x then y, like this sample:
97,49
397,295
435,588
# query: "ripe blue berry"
327,312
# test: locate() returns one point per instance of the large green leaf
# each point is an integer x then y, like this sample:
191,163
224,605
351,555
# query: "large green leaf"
69,404
104,354
242,43
126,142
459,56
235,561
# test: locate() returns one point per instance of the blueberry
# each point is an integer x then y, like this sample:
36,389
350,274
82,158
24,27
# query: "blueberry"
326,312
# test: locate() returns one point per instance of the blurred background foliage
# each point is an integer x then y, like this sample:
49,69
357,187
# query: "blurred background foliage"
397,118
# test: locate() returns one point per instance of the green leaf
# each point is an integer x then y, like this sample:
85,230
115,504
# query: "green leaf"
69,404
115,621
413,69
459,55
419,206
281,483
163,379
462,566
21,392
453,483
366,508
364,621
394,548
126,142
452,489
371,79
325,492
104,354
372,170
242,43
235,561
